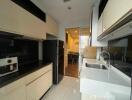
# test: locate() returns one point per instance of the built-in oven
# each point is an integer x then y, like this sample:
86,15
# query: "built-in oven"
8,66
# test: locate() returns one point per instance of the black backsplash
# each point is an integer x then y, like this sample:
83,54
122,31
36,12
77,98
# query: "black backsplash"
26,50
121,56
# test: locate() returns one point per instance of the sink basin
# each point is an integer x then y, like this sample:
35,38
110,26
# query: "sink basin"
97,66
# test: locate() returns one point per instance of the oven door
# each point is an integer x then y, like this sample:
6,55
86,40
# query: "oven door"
7,69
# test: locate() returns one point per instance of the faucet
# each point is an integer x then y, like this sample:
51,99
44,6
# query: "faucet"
106,52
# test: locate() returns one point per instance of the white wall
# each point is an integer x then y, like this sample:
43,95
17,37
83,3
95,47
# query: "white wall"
61,34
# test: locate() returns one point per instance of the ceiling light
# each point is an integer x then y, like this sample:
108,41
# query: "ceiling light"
66,0
75,31
69,7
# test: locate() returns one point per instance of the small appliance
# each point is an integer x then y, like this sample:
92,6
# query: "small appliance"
8,65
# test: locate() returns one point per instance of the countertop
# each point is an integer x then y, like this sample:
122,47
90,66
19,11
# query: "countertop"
102,75
5,80
99,81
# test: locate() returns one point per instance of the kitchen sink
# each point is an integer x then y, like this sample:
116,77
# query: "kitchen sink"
97,66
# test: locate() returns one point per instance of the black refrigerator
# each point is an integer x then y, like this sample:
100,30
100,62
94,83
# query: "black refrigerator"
53,51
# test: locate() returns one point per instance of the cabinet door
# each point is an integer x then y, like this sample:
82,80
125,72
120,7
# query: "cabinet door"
95,29
31,91
36,89
114,10
43,84
17,20
99,29
17,94
52,26
8,16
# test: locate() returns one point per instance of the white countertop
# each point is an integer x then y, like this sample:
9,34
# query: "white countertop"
102,75
98,81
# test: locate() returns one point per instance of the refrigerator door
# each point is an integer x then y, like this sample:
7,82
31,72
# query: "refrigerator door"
61,61
53,51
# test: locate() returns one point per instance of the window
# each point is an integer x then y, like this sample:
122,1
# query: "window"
84,41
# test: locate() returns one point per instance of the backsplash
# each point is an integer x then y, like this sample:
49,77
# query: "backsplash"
26,50
121,54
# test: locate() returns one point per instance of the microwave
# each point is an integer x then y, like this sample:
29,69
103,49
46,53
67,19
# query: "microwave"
8,66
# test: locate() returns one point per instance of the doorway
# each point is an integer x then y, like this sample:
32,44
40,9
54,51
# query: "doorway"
77,48
71,52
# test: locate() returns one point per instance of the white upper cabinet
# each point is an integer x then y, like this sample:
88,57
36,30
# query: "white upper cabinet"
9,20
114,10
100,26
96,27
52,26
15,19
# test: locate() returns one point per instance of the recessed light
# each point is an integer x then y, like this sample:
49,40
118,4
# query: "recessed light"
69,7
75,31
67,0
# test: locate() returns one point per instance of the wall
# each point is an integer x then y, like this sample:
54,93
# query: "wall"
89,52
63,26
73,44
73,39
86,51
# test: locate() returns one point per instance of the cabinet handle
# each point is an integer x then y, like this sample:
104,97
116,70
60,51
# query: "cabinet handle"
37,78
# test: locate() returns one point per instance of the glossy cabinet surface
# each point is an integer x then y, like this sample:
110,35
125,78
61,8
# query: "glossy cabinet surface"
43,84
37,88
100,26
13,91
114,10
52,26
17,20
30,87
96,28
18,93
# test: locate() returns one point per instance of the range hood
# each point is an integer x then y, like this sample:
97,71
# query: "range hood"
122,28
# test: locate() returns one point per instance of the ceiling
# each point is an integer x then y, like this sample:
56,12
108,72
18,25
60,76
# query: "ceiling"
79,12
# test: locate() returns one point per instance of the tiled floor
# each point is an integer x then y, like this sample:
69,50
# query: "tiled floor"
68,89
72,70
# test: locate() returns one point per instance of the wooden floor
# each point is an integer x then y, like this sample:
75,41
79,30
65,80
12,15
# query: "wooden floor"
72,70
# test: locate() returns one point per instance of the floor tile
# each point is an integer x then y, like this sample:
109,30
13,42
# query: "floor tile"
67,89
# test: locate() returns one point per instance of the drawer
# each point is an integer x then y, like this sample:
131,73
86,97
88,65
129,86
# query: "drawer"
11,87
37,88
33,76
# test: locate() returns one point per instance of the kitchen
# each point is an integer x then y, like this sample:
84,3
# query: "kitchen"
33,68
